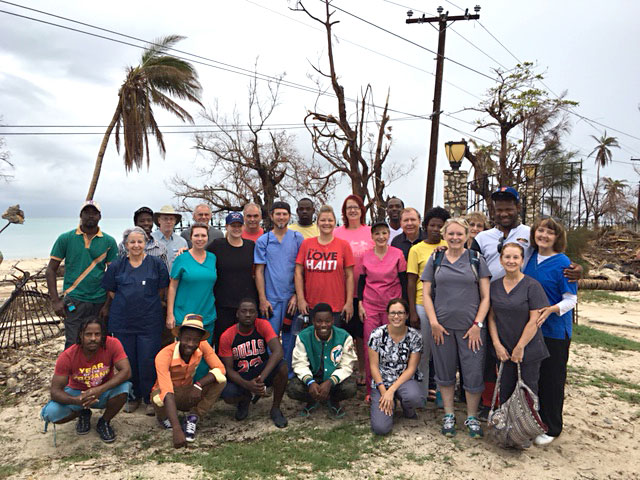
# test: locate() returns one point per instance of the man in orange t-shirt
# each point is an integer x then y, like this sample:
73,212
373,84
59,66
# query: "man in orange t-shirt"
175,389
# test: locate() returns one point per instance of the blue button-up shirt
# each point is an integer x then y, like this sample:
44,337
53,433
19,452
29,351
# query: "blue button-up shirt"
174,243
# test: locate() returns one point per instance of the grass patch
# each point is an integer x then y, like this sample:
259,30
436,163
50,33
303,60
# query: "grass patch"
289,454
612,386
420,459
81,456
602,296
599,339
7,470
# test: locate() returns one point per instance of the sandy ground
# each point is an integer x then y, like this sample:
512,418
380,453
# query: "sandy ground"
601,439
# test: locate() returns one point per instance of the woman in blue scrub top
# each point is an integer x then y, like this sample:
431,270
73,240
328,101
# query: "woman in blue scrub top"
136,283
549,240
193,275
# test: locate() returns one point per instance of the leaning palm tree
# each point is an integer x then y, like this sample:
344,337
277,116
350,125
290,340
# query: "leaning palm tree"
158,77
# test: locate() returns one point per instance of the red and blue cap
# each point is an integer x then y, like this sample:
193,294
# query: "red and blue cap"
503,193
234,217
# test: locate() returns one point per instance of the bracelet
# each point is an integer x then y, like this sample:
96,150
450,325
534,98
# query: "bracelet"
378,384
198,386
310,382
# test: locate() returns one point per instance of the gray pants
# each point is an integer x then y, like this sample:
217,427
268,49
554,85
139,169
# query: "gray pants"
410,396
445,360
74,318
342,391
423,366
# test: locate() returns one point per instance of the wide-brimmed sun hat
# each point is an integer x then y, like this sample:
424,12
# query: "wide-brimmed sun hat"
191,320
166,210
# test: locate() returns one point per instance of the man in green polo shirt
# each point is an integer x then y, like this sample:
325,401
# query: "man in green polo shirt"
86,251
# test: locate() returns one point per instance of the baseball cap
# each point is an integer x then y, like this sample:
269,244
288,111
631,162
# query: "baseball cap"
91,203
504,192
234,217
379,223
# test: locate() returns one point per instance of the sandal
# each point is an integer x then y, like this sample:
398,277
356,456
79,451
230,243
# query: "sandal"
367,399
335,410
308,409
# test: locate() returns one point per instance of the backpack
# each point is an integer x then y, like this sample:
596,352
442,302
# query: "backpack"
474,261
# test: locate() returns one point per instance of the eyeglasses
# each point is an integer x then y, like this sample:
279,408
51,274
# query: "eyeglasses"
500,243
353,208
396,314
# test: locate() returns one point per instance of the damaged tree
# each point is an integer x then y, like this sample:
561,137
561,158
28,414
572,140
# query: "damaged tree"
250,162
346,142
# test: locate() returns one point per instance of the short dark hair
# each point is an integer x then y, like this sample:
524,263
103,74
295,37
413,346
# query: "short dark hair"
248,300
396,198
305,199
401,301
435,212
282,205
320,307
88,321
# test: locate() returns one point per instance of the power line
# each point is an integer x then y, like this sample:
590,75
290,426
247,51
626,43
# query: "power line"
449,27
460,64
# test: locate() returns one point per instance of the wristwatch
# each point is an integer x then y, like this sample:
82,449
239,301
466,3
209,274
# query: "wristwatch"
479,324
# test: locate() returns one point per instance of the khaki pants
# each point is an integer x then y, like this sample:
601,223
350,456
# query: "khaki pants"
210,394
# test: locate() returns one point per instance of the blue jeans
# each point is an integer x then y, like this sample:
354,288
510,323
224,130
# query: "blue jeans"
54,411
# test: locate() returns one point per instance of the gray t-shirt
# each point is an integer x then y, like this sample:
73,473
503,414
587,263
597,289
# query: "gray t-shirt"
511,311
457,295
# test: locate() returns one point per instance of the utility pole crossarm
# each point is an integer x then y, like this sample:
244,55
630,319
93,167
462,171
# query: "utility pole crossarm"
449,18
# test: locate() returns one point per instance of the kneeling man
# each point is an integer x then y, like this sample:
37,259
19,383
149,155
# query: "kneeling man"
323,361
250,367
175,389
93,373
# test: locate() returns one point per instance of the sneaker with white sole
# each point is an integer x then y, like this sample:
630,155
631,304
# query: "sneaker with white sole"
449,425
190,428
473,427
543,439
166,423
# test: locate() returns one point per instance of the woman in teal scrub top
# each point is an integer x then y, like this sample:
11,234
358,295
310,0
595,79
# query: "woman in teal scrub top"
193,275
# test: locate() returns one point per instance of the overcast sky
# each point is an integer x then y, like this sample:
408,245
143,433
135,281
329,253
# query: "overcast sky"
58,77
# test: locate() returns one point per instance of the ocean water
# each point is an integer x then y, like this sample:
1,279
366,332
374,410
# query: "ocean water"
35,237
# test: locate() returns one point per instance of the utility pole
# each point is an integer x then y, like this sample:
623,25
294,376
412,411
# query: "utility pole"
442,20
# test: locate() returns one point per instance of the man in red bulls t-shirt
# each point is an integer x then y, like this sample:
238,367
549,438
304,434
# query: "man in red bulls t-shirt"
244,349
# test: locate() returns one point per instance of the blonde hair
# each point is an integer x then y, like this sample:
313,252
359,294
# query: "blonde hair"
327,209
458,221
478,217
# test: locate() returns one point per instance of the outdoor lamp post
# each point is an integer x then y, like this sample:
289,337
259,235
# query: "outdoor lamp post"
455,153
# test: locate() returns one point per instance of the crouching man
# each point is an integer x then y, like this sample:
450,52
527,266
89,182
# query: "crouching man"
250,368
175,389
323,361
93,373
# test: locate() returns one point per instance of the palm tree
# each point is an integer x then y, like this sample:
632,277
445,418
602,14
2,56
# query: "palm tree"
603,156
158,77
615,203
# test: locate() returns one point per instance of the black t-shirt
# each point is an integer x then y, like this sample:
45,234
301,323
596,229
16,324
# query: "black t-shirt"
511,311
234,266
249,352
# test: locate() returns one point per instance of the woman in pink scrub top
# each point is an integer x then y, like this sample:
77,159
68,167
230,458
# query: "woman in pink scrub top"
358,234
383,277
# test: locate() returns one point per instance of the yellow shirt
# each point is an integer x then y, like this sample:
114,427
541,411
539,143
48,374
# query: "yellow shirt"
307,232
418,257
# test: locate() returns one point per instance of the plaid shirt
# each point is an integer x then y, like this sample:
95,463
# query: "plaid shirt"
153,248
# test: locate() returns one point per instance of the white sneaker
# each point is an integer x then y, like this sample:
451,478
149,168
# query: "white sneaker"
543,439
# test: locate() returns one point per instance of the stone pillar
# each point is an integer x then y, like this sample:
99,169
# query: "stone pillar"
455,192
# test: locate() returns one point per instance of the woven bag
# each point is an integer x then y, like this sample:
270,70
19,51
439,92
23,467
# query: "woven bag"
516,422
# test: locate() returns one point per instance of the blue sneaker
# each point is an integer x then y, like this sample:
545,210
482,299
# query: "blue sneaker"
449,425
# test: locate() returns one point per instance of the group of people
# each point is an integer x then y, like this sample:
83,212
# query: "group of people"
176,321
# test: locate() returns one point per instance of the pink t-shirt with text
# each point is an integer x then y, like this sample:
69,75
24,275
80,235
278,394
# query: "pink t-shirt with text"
360,241
383,283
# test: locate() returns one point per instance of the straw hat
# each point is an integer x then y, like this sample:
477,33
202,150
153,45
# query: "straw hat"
166,210
191,320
